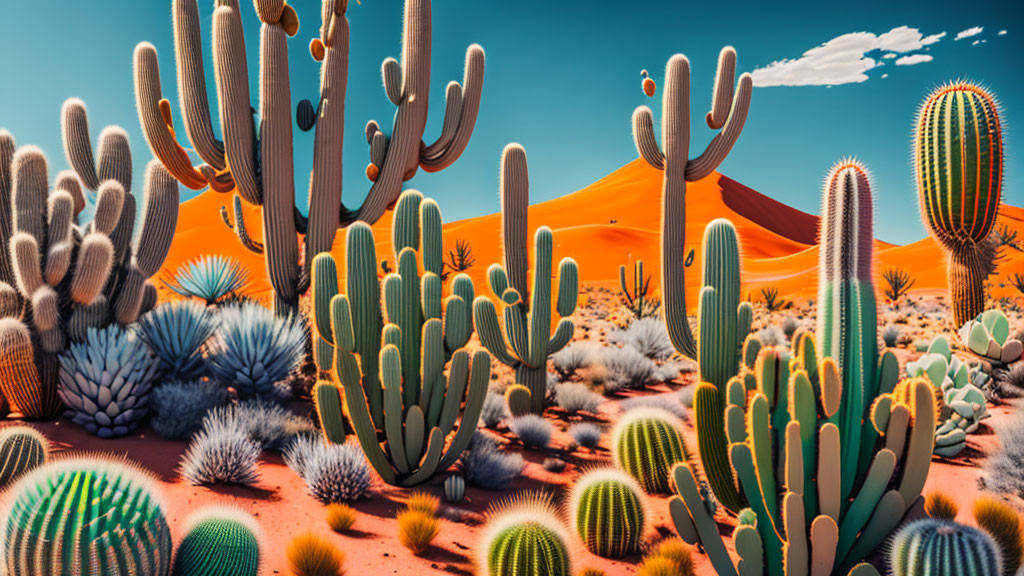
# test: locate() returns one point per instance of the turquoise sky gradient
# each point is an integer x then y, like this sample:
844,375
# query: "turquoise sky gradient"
563,78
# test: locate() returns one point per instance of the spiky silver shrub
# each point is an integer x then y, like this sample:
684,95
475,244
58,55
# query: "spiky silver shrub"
484,465
669,402
179,407
221,454
176,332
532,429
890,335
627,368
586,435
574,357
574,397
495,409
267,423
647,336
333,472
254,351
106,381
209,278
1004,467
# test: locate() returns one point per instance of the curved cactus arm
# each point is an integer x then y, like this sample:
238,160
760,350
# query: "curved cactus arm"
866,501
750,550
743,463
722,143
346,374
154,115
428,465
562,336
463,105
479,377
391,378
691,519
432,359
568,287
458,320
514,190
443,413
195,106
328,403
159,220
887,515
644,138
240,228
540,299
487,327
922,441
325,288
722,94
516,323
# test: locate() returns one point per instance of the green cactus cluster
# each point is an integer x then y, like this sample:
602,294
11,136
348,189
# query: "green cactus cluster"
255,158
528,341
219,541
22,449
646,444
988,336
391,341
609,512
60,276
933,547
524,537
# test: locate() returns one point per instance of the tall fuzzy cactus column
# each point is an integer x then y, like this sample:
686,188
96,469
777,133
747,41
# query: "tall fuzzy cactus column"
958,158
724,322
258,164
527,313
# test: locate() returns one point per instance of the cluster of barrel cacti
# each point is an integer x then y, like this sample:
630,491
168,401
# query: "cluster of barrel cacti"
527,341
256,161
60,276
388,349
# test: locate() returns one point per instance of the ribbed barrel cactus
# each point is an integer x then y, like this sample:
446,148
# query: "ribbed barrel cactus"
454,488
106,380
257,160
390,349
933,547
61,275
219,541
958,160
524,537
609,512
86,516
528,340
21,449
724,324
646,444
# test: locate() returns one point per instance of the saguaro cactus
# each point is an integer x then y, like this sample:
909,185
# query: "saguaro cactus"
391,366
258,164
527,313
958,158
60,277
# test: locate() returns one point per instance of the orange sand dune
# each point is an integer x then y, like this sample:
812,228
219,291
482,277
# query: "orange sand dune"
617,220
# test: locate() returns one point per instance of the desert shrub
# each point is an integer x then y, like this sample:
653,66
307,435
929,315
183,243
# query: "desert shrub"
209,278
554,465
423,502
221,454
772,335
484,465
574,397
669,370
678,553
1006,527
254,351
416,530
772,300
176,332
647,336
586,435
269,424
341,517
669,402
333,472
532,429
627,369
300,451
573,358
1004,466
495,410
941,506
312,555
686,396
180,407
890,335
790,325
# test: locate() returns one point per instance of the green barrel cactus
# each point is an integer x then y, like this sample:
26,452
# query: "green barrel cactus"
528,341
524,537
958,160
608,509
111,521
256,159
390,348
646,444
933,547
219,541
21,449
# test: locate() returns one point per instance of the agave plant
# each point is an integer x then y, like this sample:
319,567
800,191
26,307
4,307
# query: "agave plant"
176,332
209,278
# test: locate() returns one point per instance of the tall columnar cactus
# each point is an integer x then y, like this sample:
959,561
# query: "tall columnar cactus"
723,324
21,449
958,158
257,161
527,313
390,349
524,537
112,521
219,541
60,276
609,513
646,444
932,547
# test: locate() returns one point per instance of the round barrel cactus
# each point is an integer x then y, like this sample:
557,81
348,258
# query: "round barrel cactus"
105,381
958,157
86,516
219,541
609,513
934,547
21,449
524,537
454,488
646,444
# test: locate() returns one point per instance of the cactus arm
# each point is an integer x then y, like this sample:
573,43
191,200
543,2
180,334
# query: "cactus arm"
159,219
347,371
364,295
430,238
645,140
325,288
688,508
795,555
824,538
458,377
458,130
750,550
719,147
759,439
487,327
922,441
721,105
458,318
514,189
866,501
195,105
742,458
432,360
430,462
568,287
479,378
391,377
7,148
242,231
409,319
328,404
563,334
887,515
540,300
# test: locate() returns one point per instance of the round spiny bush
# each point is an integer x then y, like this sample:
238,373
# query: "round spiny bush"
940,506
416,530
312,555
219,454
658,566
219,541
676,551
646,444
176,333
341,517
22,449
454,488
586,435
523,537
1005,526
938,547
532,429
337,473
423,502
608,509
590,571
486,466
112,521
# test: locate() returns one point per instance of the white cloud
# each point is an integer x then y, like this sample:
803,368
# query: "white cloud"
885,75
976,42
968,33
844,59
914,59
1002,33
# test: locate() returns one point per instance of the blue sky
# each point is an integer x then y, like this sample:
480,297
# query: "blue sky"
563,79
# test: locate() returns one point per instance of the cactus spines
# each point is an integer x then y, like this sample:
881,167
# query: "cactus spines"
646,444
958,158
260,164
22,449
524,537
931,547
607,507
528,339
114,521
219,541
19,377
